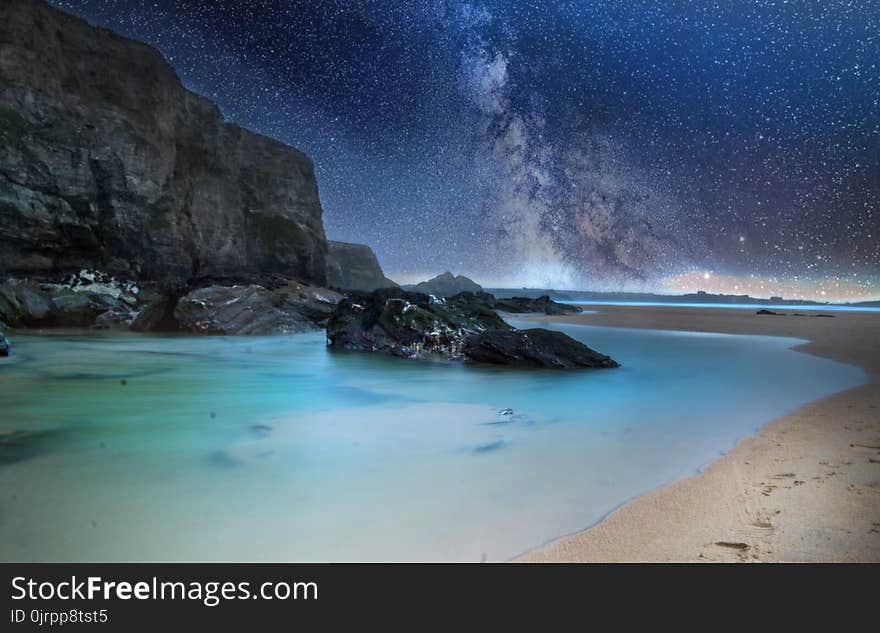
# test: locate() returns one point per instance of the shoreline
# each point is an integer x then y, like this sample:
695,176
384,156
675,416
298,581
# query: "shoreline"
805,487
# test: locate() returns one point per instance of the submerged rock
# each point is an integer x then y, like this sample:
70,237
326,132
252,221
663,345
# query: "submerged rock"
5,350
763,312
533,348
519,305
409,324
490,446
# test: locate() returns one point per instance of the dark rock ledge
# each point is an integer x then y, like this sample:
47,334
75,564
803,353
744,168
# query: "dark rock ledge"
533,348
464,327
243,305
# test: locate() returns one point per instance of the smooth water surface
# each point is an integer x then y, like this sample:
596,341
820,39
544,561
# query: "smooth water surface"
275,448
831,307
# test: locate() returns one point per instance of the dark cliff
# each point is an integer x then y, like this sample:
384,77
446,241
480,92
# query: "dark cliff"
108,162
354,267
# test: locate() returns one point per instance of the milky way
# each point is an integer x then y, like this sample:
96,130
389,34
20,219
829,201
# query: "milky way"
638,144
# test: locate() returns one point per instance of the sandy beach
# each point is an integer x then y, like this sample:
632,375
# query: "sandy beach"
806,488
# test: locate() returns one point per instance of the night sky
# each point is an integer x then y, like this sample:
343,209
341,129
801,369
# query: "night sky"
633,144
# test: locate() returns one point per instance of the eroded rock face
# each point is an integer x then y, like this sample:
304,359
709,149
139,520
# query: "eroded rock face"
354,267
446,285
253,309
108,162
409,324
533,348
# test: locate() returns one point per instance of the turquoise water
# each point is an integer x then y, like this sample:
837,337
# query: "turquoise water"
275,448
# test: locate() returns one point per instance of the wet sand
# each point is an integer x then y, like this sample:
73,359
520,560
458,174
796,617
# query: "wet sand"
806,488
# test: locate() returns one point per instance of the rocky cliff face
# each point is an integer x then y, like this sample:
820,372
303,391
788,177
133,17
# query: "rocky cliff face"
107,162
354,267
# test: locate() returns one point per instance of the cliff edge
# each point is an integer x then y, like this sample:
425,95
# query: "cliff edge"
107,162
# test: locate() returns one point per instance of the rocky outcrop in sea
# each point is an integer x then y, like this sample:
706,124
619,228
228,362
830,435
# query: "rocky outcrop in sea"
534,347
463,327
408,324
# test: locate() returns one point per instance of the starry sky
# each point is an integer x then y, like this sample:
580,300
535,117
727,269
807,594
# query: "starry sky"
665,145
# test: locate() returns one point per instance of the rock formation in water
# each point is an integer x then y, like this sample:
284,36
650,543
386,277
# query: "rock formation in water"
4,346
445,285
543,304
533,348
109,163
407,324
354,267
414,325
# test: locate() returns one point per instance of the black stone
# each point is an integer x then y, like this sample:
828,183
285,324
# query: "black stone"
409,324
533,348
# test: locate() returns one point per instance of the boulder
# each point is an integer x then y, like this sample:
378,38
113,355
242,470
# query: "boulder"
156,315
533,348
108,162
117,318
409,324
253,309
236,310
31,303
354,267
315,304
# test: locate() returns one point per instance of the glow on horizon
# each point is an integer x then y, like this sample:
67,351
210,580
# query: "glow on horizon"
828,289
832,289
